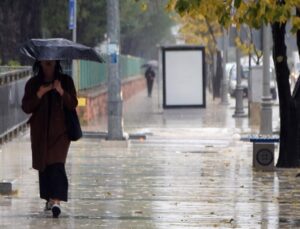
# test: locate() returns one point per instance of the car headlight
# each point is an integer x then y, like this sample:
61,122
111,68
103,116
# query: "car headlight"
293,75
272,84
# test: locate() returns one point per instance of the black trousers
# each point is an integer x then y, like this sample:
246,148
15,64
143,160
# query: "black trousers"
150,86
54,182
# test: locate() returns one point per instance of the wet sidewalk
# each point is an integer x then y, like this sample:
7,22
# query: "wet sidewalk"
191,172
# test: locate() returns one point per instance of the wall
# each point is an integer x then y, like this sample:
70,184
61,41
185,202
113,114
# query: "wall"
93,102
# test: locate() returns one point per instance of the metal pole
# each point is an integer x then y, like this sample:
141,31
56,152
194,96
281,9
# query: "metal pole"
74,35
249,80
159,78
239,106
224,98
266,104
74,38
115,102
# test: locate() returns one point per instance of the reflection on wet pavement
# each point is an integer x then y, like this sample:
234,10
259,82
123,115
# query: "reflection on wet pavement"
191,172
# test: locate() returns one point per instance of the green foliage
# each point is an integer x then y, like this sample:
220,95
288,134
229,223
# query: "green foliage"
19,20
142,28
237,3
143,23
14,63
55,18
183,6
91,20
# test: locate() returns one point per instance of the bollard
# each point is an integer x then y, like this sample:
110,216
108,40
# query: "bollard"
8,187
263,156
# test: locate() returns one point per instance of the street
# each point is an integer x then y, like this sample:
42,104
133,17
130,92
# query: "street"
191,172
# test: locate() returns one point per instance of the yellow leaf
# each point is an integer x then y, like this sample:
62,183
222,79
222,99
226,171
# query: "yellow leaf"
144,6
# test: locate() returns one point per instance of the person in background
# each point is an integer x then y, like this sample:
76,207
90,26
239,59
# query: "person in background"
150,76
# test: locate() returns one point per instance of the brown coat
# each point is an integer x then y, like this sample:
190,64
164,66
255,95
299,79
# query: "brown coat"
49,139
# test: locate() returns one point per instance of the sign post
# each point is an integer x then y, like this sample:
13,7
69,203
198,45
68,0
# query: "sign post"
72,26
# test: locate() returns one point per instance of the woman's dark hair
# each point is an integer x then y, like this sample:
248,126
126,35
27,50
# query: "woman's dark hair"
37,68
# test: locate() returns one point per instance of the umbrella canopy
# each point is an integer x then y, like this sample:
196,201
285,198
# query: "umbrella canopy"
151,63
58,49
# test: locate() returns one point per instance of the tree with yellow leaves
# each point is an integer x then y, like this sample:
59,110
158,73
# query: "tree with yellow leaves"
198,30
255,13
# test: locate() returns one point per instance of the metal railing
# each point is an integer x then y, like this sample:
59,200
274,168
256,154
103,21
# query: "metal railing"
130,66
13,80
92,74
10,74
12,84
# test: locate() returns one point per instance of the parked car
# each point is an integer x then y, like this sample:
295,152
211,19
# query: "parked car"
245,76
295,72
233,81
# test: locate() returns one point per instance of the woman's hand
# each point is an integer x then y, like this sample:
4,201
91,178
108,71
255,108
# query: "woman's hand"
57,86
43,90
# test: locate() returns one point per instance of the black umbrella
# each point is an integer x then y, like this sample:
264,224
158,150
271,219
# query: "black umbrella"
58,49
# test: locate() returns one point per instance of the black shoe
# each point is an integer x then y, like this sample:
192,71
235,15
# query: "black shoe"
56,210
48,206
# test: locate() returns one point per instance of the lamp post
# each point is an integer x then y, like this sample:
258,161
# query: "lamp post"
224,97
239,93
115,101
266,104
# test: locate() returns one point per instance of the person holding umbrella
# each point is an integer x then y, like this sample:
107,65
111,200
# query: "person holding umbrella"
49,97
45,95
150,75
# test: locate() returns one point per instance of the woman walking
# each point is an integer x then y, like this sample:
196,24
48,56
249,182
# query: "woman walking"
150,75
47,94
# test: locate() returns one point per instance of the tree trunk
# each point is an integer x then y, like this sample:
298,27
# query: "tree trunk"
298,31
288,155
297,94
213,79
219,75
